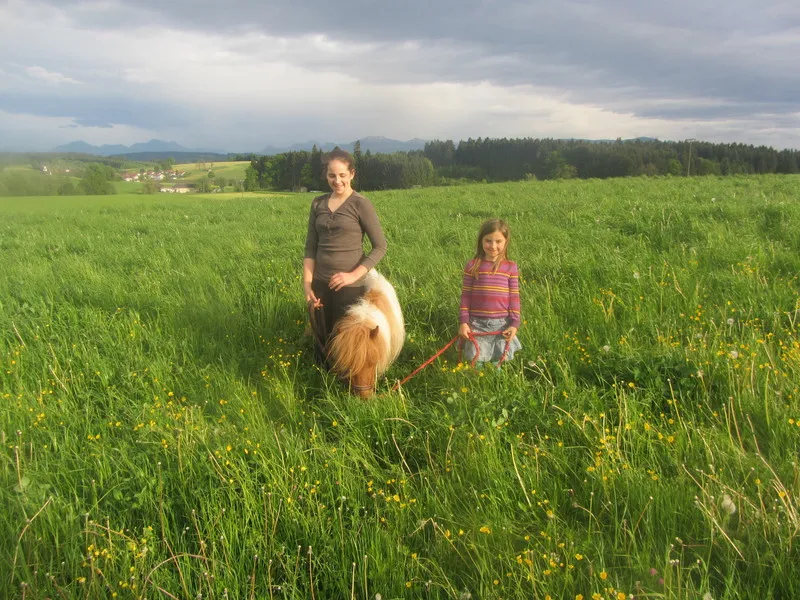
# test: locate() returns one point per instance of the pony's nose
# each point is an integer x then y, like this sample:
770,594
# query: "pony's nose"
366,393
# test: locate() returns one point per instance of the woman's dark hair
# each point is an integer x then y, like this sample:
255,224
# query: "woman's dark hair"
340,155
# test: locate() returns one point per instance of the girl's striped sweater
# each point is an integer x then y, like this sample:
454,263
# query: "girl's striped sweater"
490,295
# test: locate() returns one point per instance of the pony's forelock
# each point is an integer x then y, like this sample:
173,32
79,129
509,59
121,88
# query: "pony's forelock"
353,346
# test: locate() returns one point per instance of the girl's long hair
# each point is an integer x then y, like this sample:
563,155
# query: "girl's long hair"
490,226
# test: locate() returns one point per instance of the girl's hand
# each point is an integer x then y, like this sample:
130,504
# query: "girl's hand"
510,333
464,331
340,280
311,298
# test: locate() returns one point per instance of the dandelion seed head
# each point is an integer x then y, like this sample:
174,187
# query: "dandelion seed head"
728,505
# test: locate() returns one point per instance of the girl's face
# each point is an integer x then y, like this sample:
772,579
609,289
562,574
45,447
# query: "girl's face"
339,177
493,244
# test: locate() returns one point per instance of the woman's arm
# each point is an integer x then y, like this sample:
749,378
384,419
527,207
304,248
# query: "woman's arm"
371,225
339,280
309,258
308,277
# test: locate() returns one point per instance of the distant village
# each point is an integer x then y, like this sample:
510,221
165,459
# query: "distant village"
176,188
164,180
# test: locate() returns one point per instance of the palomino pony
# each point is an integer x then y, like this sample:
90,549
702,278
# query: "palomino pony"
368,338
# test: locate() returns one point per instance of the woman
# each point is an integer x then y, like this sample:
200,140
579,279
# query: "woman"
334,262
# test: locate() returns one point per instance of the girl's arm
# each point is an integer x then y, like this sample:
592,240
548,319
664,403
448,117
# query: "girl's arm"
513,291
466,301
513,302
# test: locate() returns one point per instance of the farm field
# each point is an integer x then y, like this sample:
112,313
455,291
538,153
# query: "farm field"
228,170
164,433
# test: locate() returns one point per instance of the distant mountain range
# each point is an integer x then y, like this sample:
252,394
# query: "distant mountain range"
158,149
115,149
162,148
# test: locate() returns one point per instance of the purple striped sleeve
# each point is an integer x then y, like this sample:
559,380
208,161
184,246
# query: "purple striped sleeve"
466,294
513,291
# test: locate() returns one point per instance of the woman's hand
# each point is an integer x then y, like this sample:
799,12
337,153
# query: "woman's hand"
340,280
510,333
311,297
464,331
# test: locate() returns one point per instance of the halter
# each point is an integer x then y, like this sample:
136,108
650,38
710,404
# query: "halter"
356,388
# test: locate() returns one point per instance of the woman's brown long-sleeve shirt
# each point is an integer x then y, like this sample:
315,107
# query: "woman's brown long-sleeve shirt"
335,239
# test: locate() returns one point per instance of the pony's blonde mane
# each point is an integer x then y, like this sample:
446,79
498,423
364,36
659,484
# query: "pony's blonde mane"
355,344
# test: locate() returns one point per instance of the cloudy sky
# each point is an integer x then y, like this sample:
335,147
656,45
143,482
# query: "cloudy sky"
243,74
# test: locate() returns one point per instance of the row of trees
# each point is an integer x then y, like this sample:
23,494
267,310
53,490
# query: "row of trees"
512,159
95,179
489,159
296,170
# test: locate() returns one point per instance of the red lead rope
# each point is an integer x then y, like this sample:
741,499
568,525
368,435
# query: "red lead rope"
472,337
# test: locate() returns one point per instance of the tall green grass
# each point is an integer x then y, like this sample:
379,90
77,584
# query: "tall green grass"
164,433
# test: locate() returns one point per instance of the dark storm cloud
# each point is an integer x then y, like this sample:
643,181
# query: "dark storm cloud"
736,53
682,68
92,111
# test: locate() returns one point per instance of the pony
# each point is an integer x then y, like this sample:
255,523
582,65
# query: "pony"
368,338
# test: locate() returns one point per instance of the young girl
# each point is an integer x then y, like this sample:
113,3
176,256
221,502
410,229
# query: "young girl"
490,296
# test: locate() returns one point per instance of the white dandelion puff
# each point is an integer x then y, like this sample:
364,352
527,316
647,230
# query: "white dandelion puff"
727,504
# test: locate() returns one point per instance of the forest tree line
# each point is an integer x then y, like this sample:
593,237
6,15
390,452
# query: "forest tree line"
439,163
305,170
494,160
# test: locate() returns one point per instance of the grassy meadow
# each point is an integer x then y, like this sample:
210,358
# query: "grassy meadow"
164,433
228,170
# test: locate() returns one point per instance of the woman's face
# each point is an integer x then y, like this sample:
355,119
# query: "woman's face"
339,177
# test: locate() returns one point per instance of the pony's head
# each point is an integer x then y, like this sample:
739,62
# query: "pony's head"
356,353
